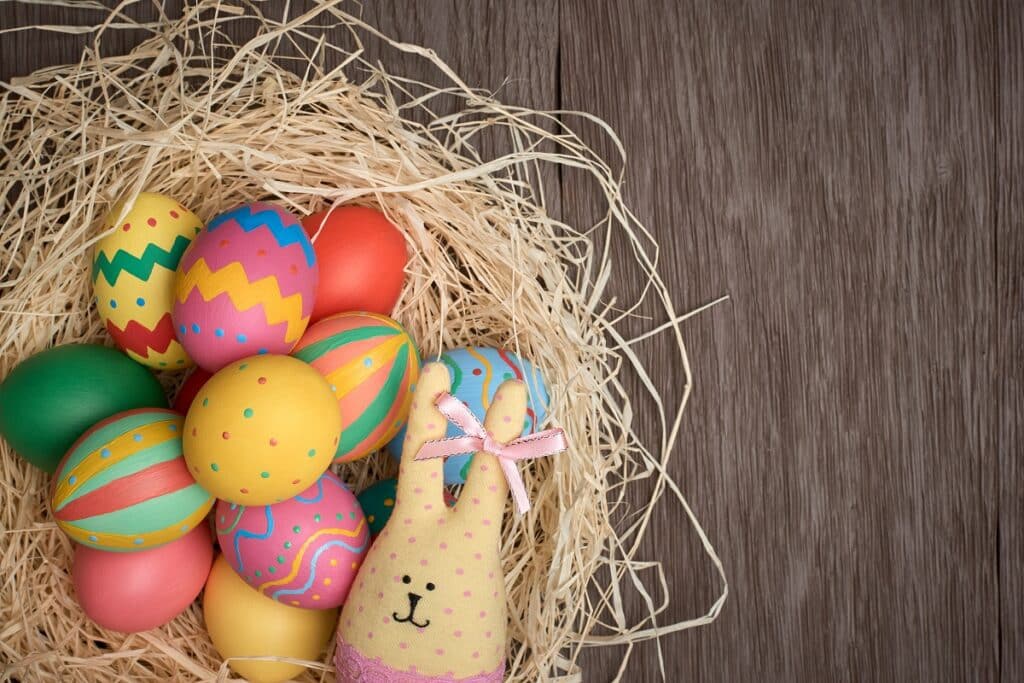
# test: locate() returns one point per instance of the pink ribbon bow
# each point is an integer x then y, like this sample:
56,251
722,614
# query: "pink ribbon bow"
539,445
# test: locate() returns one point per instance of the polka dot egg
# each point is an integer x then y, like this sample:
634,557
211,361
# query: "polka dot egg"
372,365
261,430
302,552
245,286
124,485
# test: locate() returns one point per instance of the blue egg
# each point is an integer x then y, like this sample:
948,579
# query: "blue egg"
476,374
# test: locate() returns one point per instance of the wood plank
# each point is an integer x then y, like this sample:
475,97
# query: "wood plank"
24,51
509,49
831,169
1006,362
506,48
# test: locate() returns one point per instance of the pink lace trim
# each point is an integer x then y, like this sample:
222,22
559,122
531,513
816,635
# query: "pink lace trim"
353,667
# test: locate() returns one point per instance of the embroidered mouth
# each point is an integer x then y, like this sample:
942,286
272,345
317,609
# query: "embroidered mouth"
410,617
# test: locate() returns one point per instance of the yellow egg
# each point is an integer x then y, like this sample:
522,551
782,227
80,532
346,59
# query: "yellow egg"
244,623
261,430
133,274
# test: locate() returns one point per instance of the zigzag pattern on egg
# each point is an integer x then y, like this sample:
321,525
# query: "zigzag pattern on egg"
140,266
285,235
233,281
139,339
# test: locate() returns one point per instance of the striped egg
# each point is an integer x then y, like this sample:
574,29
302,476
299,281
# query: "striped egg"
476,374
124,485
302,552
245,287
133,271
372,365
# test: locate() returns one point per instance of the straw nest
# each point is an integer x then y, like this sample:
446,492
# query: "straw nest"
213,124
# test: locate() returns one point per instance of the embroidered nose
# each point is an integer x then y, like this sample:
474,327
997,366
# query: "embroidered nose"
410,618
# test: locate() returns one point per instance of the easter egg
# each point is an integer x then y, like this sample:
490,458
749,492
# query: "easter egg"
378,502
476,374
362,258
371,364
132,592
124,485
261,430
51,398
303,551
133,272
245,286
242,622
189,388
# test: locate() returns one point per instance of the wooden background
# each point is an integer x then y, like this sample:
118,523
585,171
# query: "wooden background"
850,175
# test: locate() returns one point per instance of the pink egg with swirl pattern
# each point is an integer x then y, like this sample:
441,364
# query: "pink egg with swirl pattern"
302,552
245,286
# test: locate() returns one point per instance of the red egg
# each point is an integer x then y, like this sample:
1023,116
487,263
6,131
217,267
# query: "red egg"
362,259
133,592
189,388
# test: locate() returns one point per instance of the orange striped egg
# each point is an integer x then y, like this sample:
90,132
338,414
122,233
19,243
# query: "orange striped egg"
124,485
372,365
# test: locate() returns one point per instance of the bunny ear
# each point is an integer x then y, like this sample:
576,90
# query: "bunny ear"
423,480
486,482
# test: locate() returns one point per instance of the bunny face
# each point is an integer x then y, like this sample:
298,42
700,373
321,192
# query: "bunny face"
432,605
429,598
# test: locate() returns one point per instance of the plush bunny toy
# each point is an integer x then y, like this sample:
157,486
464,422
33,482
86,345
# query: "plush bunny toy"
428,604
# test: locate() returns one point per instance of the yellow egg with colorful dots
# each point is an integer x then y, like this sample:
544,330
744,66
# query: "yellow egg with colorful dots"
261,430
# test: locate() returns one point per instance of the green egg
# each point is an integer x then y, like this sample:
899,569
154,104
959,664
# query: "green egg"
378,502
53,397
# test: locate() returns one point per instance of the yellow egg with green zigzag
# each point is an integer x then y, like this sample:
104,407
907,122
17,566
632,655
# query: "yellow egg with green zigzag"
372,365
133,275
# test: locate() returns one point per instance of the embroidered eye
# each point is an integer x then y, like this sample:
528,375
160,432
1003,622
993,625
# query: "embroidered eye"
406,579
430,586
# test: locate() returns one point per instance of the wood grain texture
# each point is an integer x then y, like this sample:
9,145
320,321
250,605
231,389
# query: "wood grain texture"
1006,361
832,170
849,174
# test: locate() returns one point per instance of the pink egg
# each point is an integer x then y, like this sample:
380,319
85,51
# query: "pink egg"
302,552
245,286
132,592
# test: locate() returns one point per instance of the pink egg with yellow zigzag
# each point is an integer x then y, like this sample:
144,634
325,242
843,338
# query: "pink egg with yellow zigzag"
245,286
303,552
